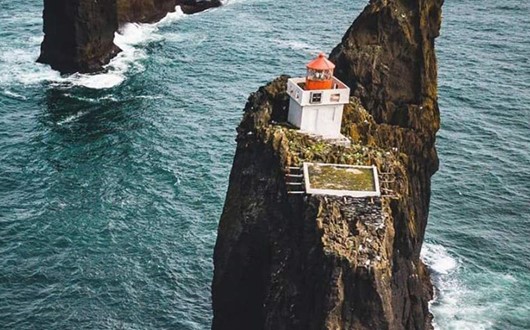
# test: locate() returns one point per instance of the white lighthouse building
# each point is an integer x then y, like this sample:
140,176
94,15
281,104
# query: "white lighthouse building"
317,101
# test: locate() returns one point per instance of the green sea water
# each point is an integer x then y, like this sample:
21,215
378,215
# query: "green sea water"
112,185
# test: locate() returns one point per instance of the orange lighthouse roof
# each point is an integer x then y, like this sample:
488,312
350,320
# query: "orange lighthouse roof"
321,63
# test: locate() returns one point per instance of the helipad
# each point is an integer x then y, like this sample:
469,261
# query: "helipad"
341,180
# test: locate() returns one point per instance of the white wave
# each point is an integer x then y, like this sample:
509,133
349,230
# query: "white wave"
172,17
438,259
149,97
451,305
14,95
95,81
91,100
298,46
18,66
71,118
111,98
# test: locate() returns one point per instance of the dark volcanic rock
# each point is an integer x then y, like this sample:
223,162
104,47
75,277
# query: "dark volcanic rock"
147,11
78,34
289,262
143,11
388,59
193,6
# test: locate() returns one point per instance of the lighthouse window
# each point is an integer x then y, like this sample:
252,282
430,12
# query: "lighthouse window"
319,74
335,98
316,97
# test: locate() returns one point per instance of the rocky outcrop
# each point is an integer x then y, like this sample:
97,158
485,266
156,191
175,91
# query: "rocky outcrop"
195,6
79,34
388,58
319,262
143,11
147,11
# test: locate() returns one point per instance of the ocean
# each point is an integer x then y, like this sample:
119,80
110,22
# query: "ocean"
112,185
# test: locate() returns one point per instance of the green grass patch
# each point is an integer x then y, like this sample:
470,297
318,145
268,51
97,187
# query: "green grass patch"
331,177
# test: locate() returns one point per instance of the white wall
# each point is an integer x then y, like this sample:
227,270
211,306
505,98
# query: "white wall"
295,113
324,118
303,97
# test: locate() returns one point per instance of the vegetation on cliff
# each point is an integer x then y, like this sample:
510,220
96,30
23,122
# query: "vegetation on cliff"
261,223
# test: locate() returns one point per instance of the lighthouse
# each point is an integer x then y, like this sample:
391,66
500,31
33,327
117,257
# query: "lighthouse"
317,100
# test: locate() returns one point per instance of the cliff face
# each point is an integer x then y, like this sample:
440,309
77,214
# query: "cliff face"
319,262
146,11
195,6
142,11
388,58
79,34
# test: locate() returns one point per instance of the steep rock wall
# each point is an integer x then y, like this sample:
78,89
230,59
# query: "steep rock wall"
146,11
79,34
388,58
142,11
289,262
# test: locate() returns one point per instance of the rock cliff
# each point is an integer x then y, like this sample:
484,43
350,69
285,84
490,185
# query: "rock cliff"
79,34
319,262
147,11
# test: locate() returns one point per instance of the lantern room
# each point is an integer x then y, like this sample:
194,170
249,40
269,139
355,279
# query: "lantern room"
317,100
319,73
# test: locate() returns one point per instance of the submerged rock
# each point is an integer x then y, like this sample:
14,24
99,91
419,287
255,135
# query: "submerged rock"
79,34
319,262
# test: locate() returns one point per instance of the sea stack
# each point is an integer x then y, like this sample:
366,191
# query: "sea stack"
79,34
289,259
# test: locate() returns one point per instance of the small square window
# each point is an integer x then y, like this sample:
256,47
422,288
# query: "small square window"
316,97
335,98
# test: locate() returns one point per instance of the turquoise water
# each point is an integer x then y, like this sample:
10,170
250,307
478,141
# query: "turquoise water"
111,186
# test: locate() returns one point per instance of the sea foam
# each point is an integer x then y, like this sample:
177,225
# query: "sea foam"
450,306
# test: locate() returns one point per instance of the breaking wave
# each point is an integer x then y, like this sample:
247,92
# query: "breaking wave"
451,306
